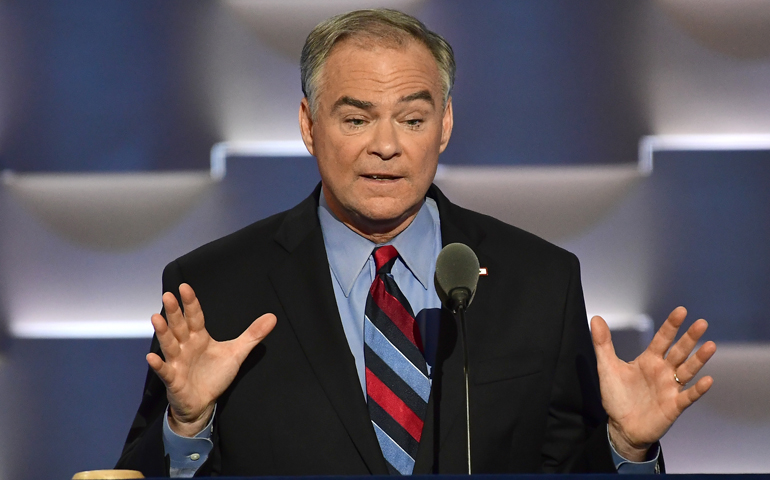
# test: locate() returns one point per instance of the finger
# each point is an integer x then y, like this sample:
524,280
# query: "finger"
602,338
664,337
175,317
192,308
693,365
256,332
692,394
684,346
161,368
168,342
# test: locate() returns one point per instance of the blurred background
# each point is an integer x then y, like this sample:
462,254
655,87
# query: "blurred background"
634,133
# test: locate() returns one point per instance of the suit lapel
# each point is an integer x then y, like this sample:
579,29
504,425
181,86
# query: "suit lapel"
303,285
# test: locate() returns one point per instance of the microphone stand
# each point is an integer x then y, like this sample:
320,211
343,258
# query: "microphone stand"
461,298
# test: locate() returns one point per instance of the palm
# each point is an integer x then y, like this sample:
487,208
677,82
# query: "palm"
198,369
642,398
203,369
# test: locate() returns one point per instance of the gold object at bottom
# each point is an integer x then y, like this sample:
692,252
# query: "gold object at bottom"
107,475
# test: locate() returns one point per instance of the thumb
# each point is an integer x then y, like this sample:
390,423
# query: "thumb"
251,337
600,333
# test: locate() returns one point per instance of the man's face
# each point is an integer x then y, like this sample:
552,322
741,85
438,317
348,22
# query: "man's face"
378,130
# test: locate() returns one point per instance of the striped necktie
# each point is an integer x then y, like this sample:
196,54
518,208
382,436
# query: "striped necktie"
397,384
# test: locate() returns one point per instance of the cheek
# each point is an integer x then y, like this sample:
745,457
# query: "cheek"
427,166
337,171
340,155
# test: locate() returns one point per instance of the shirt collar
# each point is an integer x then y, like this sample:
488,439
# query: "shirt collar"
348,252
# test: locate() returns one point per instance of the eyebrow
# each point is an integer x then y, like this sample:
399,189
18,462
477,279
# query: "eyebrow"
353,102
364,105
421,95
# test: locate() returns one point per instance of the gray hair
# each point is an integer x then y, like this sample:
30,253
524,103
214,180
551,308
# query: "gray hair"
382,25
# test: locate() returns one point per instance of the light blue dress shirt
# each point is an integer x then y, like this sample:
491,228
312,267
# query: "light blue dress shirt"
353,271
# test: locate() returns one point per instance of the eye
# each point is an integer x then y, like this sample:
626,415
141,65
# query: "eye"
414,122
355,122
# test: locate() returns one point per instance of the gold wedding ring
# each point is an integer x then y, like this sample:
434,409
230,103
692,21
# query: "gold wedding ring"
676,378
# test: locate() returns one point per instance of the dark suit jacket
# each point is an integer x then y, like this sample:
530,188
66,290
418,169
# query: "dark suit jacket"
296,406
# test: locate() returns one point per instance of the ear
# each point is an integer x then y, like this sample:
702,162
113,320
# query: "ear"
446,125
306,125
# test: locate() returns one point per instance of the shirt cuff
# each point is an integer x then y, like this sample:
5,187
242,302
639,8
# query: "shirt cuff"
187,454
625,466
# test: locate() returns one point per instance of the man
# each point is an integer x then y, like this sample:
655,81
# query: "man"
328,390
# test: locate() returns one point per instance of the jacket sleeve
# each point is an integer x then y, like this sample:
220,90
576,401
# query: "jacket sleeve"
576,436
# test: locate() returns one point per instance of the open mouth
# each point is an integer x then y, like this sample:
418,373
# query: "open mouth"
382,177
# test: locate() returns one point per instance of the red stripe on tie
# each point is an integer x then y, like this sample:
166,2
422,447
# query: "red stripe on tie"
396,312
396,408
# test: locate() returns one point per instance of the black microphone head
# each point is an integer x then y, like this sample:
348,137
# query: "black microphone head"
457,274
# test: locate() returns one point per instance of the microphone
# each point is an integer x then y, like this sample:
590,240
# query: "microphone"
457,275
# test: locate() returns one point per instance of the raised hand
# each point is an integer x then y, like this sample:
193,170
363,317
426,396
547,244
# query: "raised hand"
197,369
643,398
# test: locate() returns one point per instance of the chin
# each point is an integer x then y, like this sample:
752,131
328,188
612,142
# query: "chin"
387,211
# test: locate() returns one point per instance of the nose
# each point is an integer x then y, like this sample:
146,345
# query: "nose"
385,142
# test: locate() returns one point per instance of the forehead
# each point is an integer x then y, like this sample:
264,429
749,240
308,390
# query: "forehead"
356,67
